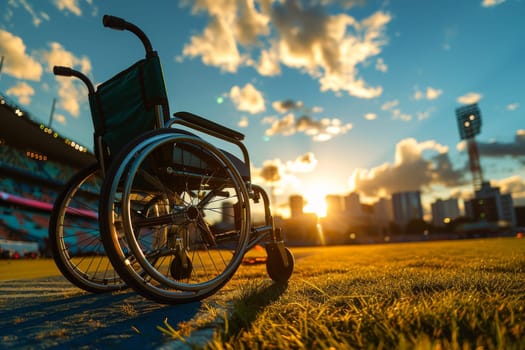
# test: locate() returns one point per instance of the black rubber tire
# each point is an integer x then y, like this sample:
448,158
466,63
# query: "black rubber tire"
135,276
275,265
89,274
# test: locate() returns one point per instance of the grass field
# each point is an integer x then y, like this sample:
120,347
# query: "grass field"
27,268
439,295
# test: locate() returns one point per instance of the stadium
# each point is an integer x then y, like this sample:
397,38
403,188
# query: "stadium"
35,163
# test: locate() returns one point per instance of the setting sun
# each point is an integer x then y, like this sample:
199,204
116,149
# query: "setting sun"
315,202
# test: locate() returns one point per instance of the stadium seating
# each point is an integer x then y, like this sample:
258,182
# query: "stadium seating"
30,176
16,159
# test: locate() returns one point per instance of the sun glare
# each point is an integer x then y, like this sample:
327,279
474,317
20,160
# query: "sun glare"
315,203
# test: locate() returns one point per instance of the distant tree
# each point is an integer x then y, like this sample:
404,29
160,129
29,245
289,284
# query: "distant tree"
454,224
417,226
395,229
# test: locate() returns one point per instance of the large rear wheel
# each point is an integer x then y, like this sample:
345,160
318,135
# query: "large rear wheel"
74,234
177,207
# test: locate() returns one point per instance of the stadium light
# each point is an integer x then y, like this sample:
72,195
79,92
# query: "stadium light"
469,125
469,121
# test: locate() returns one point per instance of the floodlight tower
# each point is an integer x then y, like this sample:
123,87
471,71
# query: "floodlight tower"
469,125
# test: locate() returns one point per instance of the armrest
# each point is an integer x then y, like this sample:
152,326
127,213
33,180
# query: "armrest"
208,124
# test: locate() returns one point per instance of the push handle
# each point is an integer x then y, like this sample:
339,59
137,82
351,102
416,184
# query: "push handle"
64,71
68,72
121,24
114,22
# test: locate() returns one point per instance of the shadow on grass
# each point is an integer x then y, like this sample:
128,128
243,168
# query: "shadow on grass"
250,304
110,320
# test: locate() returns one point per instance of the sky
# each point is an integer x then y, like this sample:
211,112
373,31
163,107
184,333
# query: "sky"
334,96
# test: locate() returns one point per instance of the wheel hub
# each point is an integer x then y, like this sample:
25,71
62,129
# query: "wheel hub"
192,213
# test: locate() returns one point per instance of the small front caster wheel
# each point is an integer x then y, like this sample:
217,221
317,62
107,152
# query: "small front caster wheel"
278,269
181,267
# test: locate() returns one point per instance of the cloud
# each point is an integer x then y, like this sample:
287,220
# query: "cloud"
370,116
319,130
286,105
68,6
469,98
317,109
345,3
37,18
328,47
7,15
280,174
216,46
515,185
422,115
243,122
430,94
271,171
284,126
501,149
398,115
231,24
491,3
17,62
250,23
60,118
23,91
303,164
268,64
381,66
70,92
247,99
410,170
389,105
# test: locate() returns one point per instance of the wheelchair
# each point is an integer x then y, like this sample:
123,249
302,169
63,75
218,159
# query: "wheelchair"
174,211
74,234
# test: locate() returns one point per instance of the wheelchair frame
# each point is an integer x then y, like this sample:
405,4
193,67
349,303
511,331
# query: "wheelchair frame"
161,194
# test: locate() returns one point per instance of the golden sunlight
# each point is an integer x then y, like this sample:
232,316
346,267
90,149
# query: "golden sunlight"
315,201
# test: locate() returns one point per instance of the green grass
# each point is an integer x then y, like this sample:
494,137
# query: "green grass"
439,295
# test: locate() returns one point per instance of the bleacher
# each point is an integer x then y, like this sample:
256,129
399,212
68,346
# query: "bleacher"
30,226
15,160
37,172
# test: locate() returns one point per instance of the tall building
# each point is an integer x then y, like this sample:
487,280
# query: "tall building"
228,213
296,206
383,210
444,210
520,215
491,206
352,204
334,205
406,207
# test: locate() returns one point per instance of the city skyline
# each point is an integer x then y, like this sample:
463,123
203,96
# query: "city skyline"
333,96
488,207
